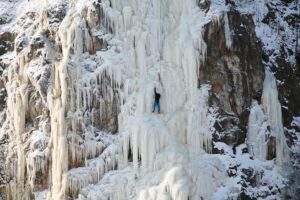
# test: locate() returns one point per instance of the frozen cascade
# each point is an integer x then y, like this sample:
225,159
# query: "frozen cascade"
36,160
257,132
79,87
161,32
74,40
151,43
272,108
267,115
72,103
163,47
17,100
148,46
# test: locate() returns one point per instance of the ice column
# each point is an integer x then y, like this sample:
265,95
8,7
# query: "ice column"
57,107
272,109
17,105
257,132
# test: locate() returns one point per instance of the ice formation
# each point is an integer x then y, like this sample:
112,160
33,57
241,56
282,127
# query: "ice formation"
257,132
163,47
149,43
272,109
227,32
161,32
267,115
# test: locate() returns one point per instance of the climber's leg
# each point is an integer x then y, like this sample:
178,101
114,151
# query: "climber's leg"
158,107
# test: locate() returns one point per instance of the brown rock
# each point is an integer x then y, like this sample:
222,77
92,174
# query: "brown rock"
236,74
271,154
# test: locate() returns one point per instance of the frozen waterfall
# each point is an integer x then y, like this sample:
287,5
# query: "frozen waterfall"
262,117
272,109
161,45
92,134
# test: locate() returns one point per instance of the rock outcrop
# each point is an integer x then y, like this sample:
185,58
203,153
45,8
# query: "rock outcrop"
235,71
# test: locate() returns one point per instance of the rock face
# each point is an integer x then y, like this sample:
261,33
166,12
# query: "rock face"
271,154
285,63
288,74
234,69
282,57
7,42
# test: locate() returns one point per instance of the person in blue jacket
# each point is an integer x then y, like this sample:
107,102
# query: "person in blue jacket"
156,102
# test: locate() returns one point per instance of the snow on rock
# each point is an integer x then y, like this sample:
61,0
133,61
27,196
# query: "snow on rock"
272,27
296,122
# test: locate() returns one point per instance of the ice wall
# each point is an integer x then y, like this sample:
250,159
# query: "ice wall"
42,144
17,83
265,121
163,47
272,108
148,43
258,132
163,39
72,105
17,109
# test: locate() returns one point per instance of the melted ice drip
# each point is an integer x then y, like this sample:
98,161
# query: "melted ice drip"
272,108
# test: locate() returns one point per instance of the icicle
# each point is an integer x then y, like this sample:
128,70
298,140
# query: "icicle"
127,14
272,109
78,178
228,36
257,132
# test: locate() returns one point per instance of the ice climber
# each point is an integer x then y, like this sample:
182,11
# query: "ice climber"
156,102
